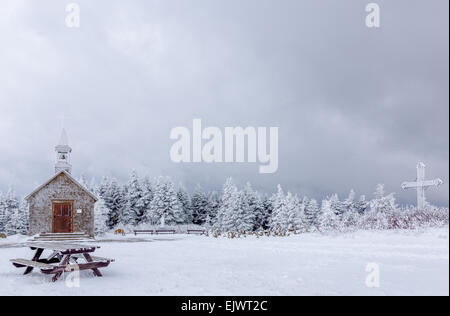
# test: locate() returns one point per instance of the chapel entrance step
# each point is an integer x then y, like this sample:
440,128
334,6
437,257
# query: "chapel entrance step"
78,236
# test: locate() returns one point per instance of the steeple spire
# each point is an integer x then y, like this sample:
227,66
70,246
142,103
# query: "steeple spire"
63,151
63,140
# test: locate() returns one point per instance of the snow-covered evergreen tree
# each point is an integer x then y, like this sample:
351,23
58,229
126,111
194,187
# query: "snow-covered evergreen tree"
349,202
382,203
362,205
229,205
243,216
214,205
104,187
336,205
255,205
2,214
101,213
16,218
165,204
153,214
299,222
351,216
328,219
279,220
185,201
312,214
114,199
24,212
134,210
200,206
381,207
292,211
267,210
146,198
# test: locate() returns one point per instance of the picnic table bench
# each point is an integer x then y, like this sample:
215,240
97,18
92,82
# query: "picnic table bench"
195,231
143,231
165,231
64,258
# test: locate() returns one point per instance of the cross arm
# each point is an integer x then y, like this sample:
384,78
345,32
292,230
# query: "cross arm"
422,184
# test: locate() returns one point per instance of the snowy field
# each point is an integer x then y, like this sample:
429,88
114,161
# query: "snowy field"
410,262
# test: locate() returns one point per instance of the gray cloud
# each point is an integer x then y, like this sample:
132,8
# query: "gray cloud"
354,106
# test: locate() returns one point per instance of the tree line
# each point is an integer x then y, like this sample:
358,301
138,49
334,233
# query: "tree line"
142,202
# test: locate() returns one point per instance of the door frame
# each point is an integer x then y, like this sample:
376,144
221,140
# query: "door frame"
71,202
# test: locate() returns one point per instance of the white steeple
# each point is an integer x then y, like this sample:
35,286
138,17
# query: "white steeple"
63,151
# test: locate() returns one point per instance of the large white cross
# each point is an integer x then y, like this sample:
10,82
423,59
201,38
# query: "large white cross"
421,185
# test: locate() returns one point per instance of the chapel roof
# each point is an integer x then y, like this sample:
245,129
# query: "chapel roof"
54,177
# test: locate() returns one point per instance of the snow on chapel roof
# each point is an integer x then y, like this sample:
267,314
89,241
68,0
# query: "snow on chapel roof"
70,177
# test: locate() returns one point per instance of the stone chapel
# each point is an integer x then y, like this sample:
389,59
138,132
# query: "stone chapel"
62,204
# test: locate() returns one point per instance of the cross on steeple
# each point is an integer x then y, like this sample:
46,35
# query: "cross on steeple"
421,185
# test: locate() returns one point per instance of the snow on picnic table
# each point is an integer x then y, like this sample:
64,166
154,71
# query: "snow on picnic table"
411,263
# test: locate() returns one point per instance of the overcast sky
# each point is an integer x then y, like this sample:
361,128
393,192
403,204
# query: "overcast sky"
354,106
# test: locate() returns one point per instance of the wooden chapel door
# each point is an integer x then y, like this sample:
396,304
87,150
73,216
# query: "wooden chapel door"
62,217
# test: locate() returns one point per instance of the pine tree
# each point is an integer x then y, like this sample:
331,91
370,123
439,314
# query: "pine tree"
300,222
134,210
244,217
381,207
15,221
24,217
382,203
328,219
153,215
362,205
200,206
101,213
3,218
350,216
349,202
114,199
336,205
267,211
214,206
146,199
312,214
165,204
291,211
228,207
185,201
104,187
279,218
174,215
255,207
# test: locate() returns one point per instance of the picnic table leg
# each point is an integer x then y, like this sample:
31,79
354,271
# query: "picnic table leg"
54,257
36,257
89,259
63,263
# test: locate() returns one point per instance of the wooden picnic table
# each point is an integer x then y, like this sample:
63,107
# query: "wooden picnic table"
64,258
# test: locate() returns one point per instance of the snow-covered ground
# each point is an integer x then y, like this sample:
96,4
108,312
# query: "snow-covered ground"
410,263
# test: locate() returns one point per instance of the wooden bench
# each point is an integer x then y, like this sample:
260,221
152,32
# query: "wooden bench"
95,258
143,231
195,231
22,263
165,231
